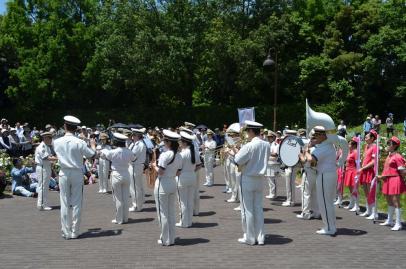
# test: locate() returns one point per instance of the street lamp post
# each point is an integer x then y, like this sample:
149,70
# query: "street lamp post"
268,64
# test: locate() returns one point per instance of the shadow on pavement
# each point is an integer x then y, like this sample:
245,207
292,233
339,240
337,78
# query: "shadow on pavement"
206,197
56,207
202,191
206,214
191,241
268,221
219,185
98,232
204,225
150,201
267,209
274,239
149,209
139,220
353,232
2,196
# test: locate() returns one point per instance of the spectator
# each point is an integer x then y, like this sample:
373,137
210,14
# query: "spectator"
19,130
376,125
218,137
25,141
34,132
367,126
389,125
21,184
342,129
5,141
4,124
15,150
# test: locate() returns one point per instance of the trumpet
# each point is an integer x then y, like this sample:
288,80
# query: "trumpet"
150,172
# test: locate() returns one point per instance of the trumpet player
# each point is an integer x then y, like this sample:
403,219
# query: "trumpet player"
233,173
209,148
104,165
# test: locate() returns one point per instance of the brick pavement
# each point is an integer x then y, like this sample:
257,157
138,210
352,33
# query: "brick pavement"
31,239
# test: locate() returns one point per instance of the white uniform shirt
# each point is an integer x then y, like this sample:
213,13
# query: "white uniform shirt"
70,151
170,170
210,146
140,151
325,155
254,156
187,165
274,150
42,152
120,158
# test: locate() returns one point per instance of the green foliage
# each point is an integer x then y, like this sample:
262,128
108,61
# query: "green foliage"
145,55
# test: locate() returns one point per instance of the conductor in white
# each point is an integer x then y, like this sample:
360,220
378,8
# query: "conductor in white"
253,159
70,151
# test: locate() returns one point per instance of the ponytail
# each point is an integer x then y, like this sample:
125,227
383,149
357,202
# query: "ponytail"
192,152
174,147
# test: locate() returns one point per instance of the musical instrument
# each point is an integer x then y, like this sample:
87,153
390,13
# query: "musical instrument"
150,172
314,118
289,150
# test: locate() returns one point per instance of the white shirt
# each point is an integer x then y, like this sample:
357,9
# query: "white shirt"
120,158
274,150
325,154
42,152
70,151
170,170
253,157
187,165
140,151
210,146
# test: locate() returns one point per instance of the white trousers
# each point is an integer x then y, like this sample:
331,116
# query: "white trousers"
290,177
326,185
272,173
235,178
103,173
120,182
137,186
252,214
71,194
196,196
43,176
309,193
165,196
186,191
208,166
226,173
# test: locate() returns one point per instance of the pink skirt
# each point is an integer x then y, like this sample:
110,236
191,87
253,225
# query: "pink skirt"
393,186
366,176
349,180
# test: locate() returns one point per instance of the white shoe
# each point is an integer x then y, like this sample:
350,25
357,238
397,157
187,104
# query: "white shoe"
74,235
100,191
47,208
365,214
159,241
232,200
270,196
205,184
261,243
229,190
115,221
387,223
397,227
179,224
288,204
244,241
131,209
349,206
354,209
238,208
326,232
104,191
372,216
209,185
303,216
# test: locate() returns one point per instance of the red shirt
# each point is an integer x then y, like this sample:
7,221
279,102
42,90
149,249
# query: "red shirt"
351,160
369,154
392,162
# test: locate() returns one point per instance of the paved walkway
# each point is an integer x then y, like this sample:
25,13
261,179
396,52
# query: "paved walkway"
31,239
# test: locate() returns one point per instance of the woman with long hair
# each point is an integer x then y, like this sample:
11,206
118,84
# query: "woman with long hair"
186,179
169,164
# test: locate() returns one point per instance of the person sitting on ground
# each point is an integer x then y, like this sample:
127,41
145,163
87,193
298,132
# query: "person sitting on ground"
20,184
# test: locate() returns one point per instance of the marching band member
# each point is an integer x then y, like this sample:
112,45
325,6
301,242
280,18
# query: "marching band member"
350,174
367,172
70,151
120,158
209,148
310,208
323,158
43,159
290,178
165,187
137,169
273,168
187,179
104,165
253,159
393,183
232,170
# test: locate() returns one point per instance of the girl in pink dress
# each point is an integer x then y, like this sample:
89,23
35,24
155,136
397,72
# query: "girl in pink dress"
350,173
393,183
367,172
